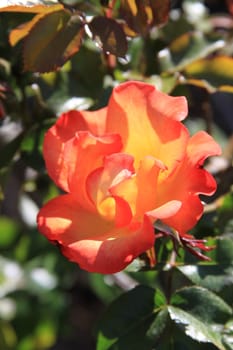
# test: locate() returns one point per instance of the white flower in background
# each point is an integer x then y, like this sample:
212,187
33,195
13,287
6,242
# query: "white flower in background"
42,278
194,11
28,210
11,277
7,309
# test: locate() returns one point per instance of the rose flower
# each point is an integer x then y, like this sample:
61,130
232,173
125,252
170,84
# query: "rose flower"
123,167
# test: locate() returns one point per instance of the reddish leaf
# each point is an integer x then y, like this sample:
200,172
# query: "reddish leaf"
52,41
230,6
141,16
31,9
160,10
19,33
2,110
109,35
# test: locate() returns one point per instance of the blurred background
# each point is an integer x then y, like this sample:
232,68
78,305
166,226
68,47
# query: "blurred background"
47,302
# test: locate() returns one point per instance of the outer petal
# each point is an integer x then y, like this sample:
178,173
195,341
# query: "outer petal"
190,176
201,146
67,125
146,119
85,238
111,255
188,215
188,181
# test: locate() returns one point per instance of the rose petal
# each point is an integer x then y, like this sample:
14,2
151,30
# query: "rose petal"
167,210
111,255
83,154
62,219
117,167
139,113
189,180
106,220
85,238
201,146
141,190
187,216
65,129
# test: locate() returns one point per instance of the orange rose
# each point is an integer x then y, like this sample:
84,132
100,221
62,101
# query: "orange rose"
123,167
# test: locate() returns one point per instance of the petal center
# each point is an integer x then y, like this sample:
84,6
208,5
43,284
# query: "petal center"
107,208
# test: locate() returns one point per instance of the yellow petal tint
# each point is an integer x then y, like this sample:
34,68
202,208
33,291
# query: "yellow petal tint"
123,167
147,121
188,181
140,190
116,168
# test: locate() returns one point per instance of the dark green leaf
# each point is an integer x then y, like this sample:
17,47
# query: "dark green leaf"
8,151
158,326
87,64
203,304
224,251
128,319
194,328
213,277
107,292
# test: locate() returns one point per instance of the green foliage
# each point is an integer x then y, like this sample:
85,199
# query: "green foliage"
143,318
132,316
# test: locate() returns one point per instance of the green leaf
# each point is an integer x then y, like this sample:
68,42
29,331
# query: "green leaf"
52,41
87,64
158,326
224,250
194,328
9,231
203,304
109,35
8,151
8,338
228,334
212,73
213,277
129,318
187,49
107,292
